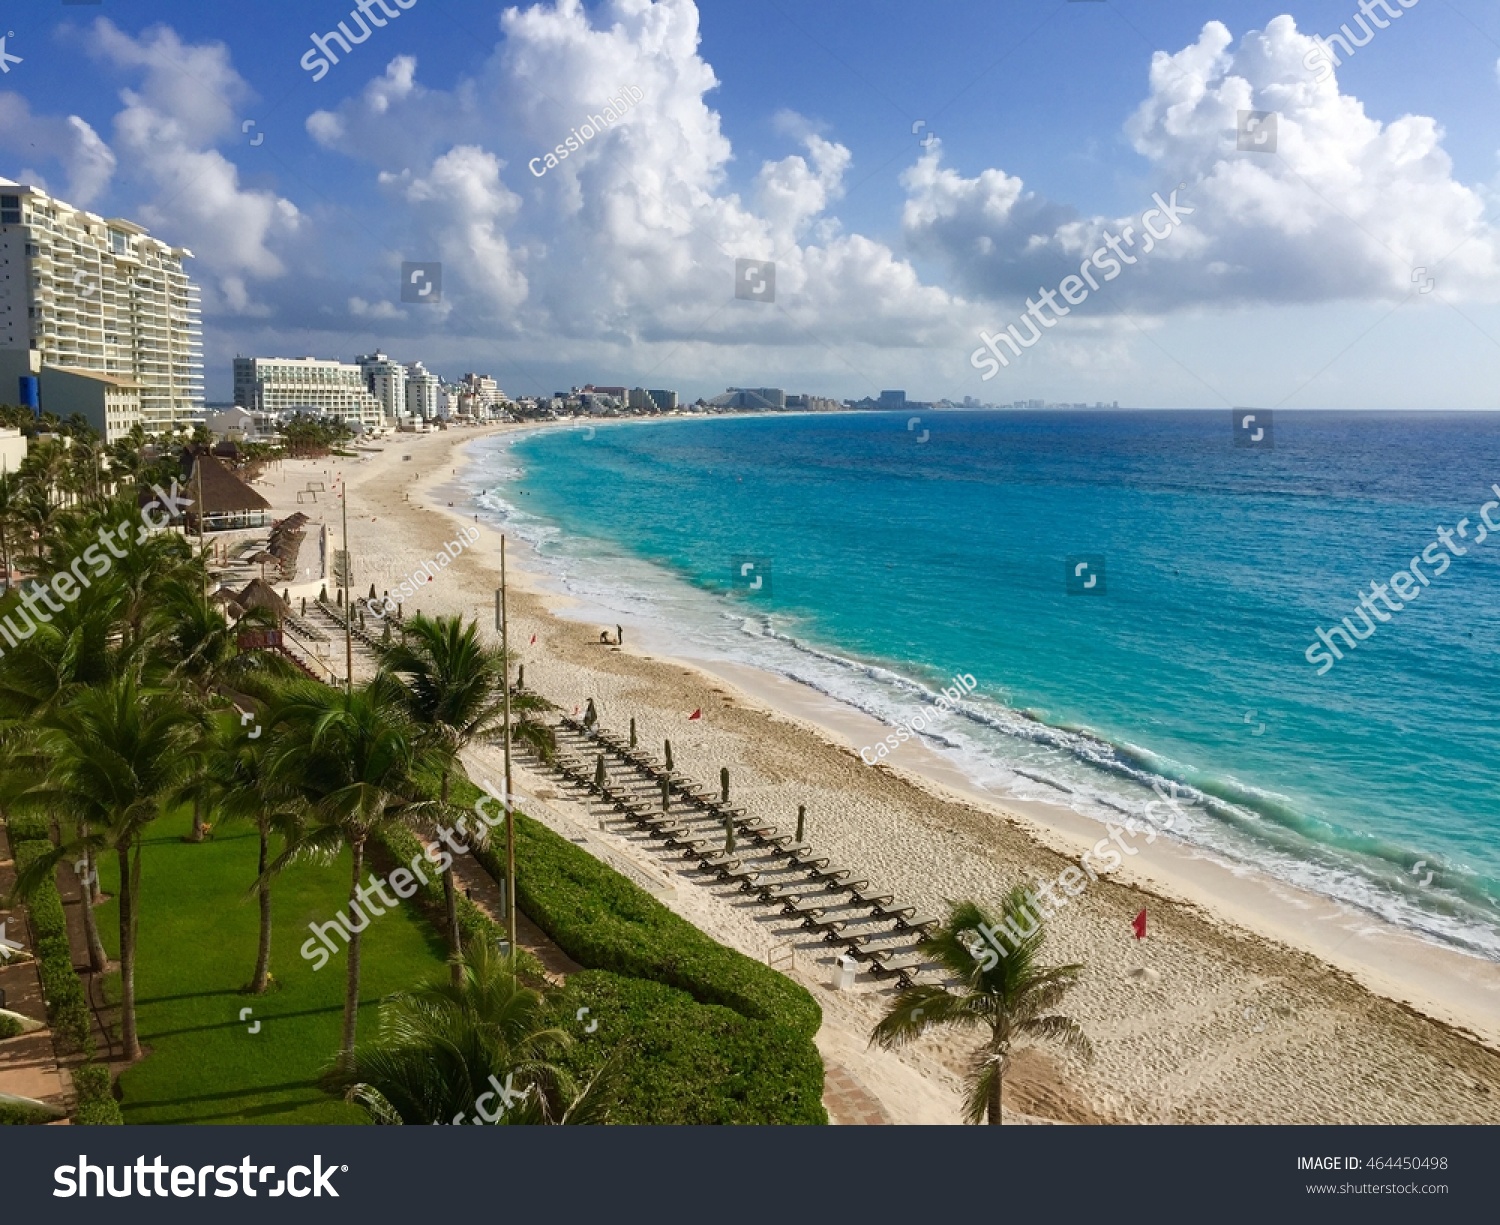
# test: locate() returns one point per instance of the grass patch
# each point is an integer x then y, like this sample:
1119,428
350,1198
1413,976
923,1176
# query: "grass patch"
198,935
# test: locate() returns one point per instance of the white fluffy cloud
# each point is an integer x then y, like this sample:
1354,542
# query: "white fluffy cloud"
86,161
634,235
1345,208
189,98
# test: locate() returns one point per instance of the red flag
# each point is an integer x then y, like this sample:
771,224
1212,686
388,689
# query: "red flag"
697,714
1139,923
533,640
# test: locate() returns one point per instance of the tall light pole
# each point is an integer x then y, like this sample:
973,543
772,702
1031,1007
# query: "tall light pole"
510,814
348,579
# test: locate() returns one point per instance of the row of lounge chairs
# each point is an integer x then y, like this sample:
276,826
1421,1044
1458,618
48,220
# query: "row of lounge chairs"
826,899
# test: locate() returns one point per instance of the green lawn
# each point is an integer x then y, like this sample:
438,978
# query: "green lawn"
198,933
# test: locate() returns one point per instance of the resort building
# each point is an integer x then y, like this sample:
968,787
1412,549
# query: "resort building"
773,398
385,379
423,392
100,312
311,385
641,400
12,449
479,396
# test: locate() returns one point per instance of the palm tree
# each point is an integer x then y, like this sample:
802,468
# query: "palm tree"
451,684
10,498
35,512
1003,989
232,780
115,756
63,657
353,762
196,641
446,1049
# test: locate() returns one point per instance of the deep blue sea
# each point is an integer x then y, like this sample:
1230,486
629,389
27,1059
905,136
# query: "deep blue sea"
893,554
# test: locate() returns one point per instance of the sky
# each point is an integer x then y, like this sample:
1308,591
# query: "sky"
916,174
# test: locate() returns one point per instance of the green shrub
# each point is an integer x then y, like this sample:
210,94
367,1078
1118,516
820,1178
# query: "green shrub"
10,1027
678,1062
68,1010
96,1098
28,829
23,1116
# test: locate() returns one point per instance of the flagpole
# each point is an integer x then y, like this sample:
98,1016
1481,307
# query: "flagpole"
510,816
348,598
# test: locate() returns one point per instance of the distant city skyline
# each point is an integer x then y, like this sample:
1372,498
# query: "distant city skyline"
812,200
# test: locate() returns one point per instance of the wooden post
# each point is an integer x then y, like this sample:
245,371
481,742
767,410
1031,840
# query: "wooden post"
510,814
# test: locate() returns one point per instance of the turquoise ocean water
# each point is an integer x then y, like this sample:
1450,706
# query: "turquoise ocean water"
893,554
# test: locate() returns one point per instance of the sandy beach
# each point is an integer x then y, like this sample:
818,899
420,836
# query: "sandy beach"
1248,1002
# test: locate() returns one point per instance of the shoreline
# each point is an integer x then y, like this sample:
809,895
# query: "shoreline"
1231,957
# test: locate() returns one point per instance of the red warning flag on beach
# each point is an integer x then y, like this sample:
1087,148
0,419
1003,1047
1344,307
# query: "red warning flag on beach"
1139,923
697,714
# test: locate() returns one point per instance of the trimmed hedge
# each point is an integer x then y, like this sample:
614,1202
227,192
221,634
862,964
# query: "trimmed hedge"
23,1116
10,1027
96,1099
679,1062
607,923
68,1010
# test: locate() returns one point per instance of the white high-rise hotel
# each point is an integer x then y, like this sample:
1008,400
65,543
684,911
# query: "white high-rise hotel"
311,385
102,313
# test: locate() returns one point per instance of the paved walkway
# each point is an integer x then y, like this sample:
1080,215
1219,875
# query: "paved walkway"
28,1064
847,1101
472,880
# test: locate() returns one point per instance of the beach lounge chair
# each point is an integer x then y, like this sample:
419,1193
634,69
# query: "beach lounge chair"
803,907
819,870
735,870
902,967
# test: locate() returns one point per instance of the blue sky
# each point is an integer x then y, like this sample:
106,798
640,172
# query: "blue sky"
783,131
